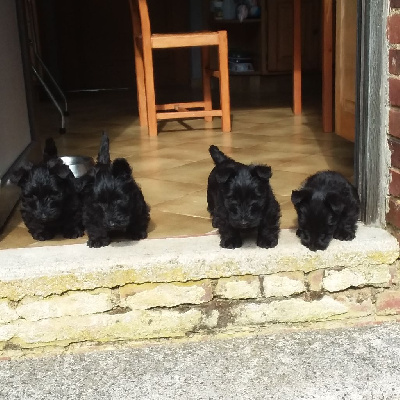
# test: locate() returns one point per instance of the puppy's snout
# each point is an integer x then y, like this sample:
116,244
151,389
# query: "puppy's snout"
244,223
43,216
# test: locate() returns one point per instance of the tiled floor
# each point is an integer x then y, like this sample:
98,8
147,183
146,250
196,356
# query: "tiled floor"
172,168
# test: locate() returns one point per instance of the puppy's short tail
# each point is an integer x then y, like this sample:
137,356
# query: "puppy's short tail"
217,155
104,152
50,150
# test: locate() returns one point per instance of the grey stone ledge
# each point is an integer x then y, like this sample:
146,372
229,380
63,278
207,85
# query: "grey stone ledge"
193,258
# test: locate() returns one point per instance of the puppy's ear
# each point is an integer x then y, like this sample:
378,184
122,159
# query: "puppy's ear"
264,172
300,196
217,155
121,167
19,175
57,167
334,202
223,175
104,152
50,150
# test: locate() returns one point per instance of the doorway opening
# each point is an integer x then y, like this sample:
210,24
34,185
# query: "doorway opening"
172,169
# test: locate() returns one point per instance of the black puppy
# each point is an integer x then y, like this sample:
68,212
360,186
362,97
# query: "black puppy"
49,202
239,199
113,202
328,207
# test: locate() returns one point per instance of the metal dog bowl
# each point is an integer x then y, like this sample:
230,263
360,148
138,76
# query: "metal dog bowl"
78,165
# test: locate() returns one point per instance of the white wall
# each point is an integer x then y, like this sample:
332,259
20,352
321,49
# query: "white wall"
14,125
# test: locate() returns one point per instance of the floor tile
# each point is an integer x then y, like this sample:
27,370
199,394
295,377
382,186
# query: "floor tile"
172,168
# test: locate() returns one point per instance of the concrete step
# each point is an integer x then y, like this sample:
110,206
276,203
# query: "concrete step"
352,364
56,298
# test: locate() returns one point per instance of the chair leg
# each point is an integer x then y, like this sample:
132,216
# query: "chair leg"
150,91
205,61
224,81
141,89
139,67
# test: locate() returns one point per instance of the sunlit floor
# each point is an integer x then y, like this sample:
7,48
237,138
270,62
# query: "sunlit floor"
172,169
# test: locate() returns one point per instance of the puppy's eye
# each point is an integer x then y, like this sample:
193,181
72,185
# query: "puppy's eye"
31,203
233,209
255,208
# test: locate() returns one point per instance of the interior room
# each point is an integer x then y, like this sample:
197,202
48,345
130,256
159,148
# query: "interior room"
87,46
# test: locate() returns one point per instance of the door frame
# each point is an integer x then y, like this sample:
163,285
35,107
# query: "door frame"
372,155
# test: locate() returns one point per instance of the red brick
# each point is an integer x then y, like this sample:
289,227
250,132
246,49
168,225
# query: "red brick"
358,302
394,187
393,28
394,146
393,216
388,302
394,122
394,91
395,233
395,3
394,62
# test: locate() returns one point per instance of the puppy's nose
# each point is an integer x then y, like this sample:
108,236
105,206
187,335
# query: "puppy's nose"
44,216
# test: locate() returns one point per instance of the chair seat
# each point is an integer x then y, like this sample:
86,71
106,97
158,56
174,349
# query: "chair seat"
192,39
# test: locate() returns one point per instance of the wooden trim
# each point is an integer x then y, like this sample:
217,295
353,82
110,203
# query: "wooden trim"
264,36
372,157
327,66
297,57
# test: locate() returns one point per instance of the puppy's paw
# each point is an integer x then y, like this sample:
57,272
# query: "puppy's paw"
231,242
41,236
98,242
137,235
267,242
344,235
73,233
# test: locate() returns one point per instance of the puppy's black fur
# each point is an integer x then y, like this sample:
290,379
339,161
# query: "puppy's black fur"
328,207
239,199
49,201
113,202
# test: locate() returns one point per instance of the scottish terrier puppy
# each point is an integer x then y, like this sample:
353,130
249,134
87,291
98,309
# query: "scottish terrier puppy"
327,207
112,200
240,199
49,201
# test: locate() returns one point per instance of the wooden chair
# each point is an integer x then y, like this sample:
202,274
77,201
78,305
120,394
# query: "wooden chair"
144,44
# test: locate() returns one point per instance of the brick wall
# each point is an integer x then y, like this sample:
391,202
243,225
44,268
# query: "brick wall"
393,34
135,312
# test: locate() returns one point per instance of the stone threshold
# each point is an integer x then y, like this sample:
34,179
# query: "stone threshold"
59,296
